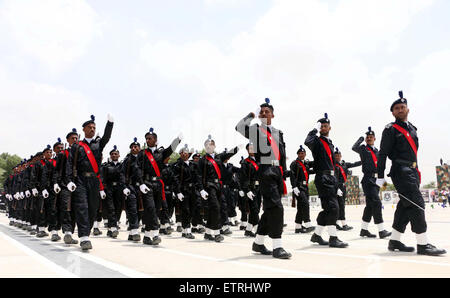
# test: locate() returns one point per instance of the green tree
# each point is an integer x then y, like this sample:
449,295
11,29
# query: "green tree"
312,189
432,184
7,162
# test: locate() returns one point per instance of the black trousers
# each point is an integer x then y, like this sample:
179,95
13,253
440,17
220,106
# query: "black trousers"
171,201
198,212
244,208
131,204
341,203
230,197
271,222
254,207
373,203
302,207
188,206
48,212
162,208
213,221
66,213
150,200
327,187
34,211
114,204
406,181
86,203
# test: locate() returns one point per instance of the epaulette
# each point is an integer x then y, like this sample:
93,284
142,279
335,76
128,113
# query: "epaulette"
389,125
160,149
412,125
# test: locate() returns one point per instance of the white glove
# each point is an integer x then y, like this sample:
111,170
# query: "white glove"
9,197
45,193
110,118
250,195
296,191
339,192
71,186
144,188
318,126
241,193
126,192
35,192
16,196
257,111
22,196
180,196
102,194
204,194
380,182
27,193
180,136
56,188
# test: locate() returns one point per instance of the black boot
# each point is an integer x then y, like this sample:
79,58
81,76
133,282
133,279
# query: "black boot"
147,240
41,234
97,232
347,228
69,240
309,230
366,233
194,230
136,237
208,237
85,245
179,229
218,238
55,238
317,239
383,234
261,248
201,230
339,227
249,234
108,234
280,253
114,234
188,236
429,250
397,245
335,242
242,228
226,232
156,240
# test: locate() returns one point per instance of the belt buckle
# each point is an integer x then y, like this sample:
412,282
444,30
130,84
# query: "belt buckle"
304,182
256,182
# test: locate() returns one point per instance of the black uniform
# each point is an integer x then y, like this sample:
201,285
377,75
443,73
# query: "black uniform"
230,193
187,182
404,174
86,197
371,190
49,214
249,181
325,179
129,177
114,201
342,172
271,173
300,171
212,184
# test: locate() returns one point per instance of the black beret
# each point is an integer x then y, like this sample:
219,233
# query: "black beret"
114,150
401,100
73,132
151,132
267,104
370,132
324,119
135,142
301,149
89,121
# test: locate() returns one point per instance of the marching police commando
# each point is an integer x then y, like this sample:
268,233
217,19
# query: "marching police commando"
150,162
326,183
167,176
201,208
301,170
84,175
186,185
129,177
250,191
230,187
66,212
39,190
114,202
270,153
369,158
342,172
210,168
400,143
163,211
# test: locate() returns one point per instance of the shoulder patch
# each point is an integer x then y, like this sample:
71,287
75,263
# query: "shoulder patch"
389,125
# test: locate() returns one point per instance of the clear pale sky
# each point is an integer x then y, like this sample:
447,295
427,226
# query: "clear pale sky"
198,66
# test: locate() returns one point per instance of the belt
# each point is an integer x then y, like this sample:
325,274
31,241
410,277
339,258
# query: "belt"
214,180
371,175
148,178
225,186
89,174
188,185
410,164
327,172
115,183
256,183
167,188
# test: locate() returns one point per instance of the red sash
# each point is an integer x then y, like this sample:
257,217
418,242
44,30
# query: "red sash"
216,167
276,151
92,161
53,162
342,172
152,161
43,162
328,150
304,170
411,143
253,163
374,156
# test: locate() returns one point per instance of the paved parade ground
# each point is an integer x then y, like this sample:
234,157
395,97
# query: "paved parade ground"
22,255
